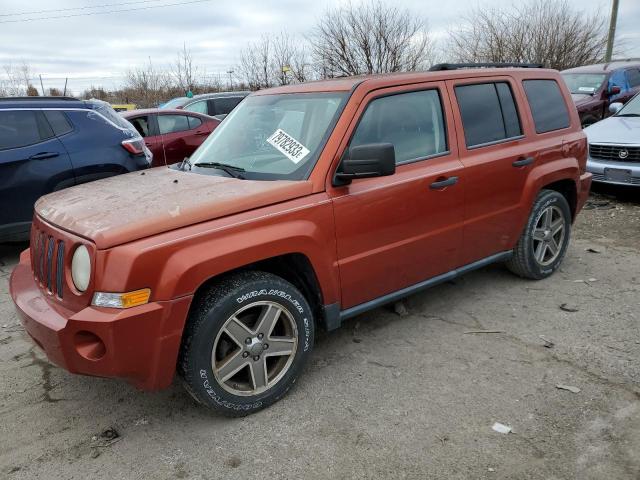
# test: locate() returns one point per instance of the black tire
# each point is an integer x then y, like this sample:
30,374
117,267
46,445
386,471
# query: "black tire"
212,310
523,262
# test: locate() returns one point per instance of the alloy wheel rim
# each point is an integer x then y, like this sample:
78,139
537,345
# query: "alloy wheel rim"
255,348
548,235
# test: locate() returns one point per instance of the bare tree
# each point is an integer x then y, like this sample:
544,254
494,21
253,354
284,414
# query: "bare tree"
145,86
537,31
16,79
255,64
274,60
184,72
370,38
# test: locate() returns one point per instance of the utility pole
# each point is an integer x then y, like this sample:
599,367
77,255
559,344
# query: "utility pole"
230,72
42,85
612,31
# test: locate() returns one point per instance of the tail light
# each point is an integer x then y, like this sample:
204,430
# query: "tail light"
134,146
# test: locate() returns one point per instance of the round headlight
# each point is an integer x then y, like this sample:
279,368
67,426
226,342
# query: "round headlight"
81,268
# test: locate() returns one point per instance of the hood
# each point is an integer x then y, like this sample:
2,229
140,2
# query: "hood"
127,207
616,130
579,98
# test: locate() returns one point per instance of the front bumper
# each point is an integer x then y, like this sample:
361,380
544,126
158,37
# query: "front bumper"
139,344
597,168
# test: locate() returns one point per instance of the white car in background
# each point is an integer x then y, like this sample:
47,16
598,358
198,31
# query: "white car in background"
614,145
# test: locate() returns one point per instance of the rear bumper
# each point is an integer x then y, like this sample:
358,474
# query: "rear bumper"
139,344
585,187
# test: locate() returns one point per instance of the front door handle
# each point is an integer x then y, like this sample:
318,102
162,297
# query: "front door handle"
437,185
523,162
43,155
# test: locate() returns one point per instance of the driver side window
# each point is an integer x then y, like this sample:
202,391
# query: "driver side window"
413,122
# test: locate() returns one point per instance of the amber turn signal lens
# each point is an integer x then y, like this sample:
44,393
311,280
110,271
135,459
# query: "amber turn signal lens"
121,300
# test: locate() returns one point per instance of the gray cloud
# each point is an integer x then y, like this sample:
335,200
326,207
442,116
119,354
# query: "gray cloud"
98,49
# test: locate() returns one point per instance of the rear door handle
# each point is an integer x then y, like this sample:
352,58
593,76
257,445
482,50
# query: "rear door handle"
43,155
523,162
443,183
201,133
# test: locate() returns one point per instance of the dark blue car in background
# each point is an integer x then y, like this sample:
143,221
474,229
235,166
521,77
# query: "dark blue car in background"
51,143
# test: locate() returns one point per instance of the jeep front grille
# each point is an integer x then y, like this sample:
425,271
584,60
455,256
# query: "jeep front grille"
47,261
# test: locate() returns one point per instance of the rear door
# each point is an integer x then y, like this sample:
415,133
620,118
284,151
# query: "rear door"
396,231
33,162
176,141
497,160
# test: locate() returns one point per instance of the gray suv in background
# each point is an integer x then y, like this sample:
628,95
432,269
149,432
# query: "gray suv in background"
214,104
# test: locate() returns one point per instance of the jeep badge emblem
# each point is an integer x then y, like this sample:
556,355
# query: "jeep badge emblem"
623,153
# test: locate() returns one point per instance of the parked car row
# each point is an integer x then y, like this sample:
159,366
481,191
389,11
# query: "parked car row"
47,144
312,203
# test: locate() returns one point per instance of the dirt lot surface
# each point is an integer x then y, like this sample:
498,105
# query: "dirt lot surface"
388,395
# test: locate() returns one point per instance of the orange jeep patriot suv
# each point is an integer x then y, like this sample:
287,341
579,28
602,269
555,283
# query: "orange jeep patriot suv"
308,205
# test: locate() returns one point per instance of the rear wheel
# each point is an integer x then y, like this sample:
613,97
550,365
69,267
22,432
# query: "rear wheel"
246,342
543,244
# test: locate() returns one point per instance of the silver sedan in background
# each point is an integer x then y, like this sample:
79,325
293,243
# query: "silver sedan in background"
614,145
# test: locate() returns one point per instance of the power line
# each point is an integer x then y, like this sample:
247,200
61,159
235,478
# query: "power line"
103,13
76,8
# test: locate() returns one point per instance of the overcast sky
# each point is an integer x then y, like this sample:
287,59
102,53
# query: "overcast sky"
96,49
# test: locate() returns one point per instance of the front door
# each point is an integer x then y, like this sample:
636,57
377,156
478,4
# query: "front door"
396,231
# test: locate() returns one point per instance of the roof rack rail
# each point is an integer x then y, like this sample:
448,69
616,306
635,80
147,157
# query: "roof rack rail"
46,97
458,66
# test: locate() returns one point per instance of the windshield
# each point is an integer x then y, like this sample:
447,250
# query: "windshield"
272,137
175,103
584,83
631,108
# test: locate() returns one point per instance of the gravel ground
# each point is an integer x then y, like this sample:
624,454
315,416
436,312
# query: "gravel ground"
411,395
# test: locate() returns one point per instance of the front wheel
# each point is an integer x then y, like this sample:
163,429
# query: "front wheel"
245,343
544,242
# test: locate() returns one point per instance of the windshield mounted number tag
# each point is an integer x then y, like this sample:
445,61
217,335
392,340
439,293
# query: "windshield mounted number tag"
288,146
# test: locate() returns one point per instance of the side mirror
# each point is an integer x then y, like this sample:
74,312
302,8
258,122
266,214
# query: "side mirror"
615,107
613,90
365,161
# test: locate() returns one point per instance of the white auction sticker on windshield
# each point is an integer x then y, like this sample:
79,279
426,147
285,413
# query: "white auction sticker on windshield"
288,145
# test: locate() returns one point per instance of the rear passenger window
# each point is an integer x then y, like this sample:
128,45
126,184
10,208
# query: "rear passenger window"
488,113
412,122
194,122
19,128
58,122
172,123
547,105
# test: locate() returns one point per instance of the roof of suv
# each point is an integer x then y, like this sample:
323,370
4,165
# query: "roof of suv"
45,102
603,67
343,84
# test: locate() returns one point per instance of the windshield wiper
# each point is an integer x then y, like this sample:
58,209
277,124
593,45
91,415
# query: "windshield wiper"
628,115
232,170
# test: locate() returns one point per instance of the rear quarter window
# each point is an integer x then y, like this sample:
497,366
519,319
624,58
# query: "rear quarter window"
547,104
58,121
